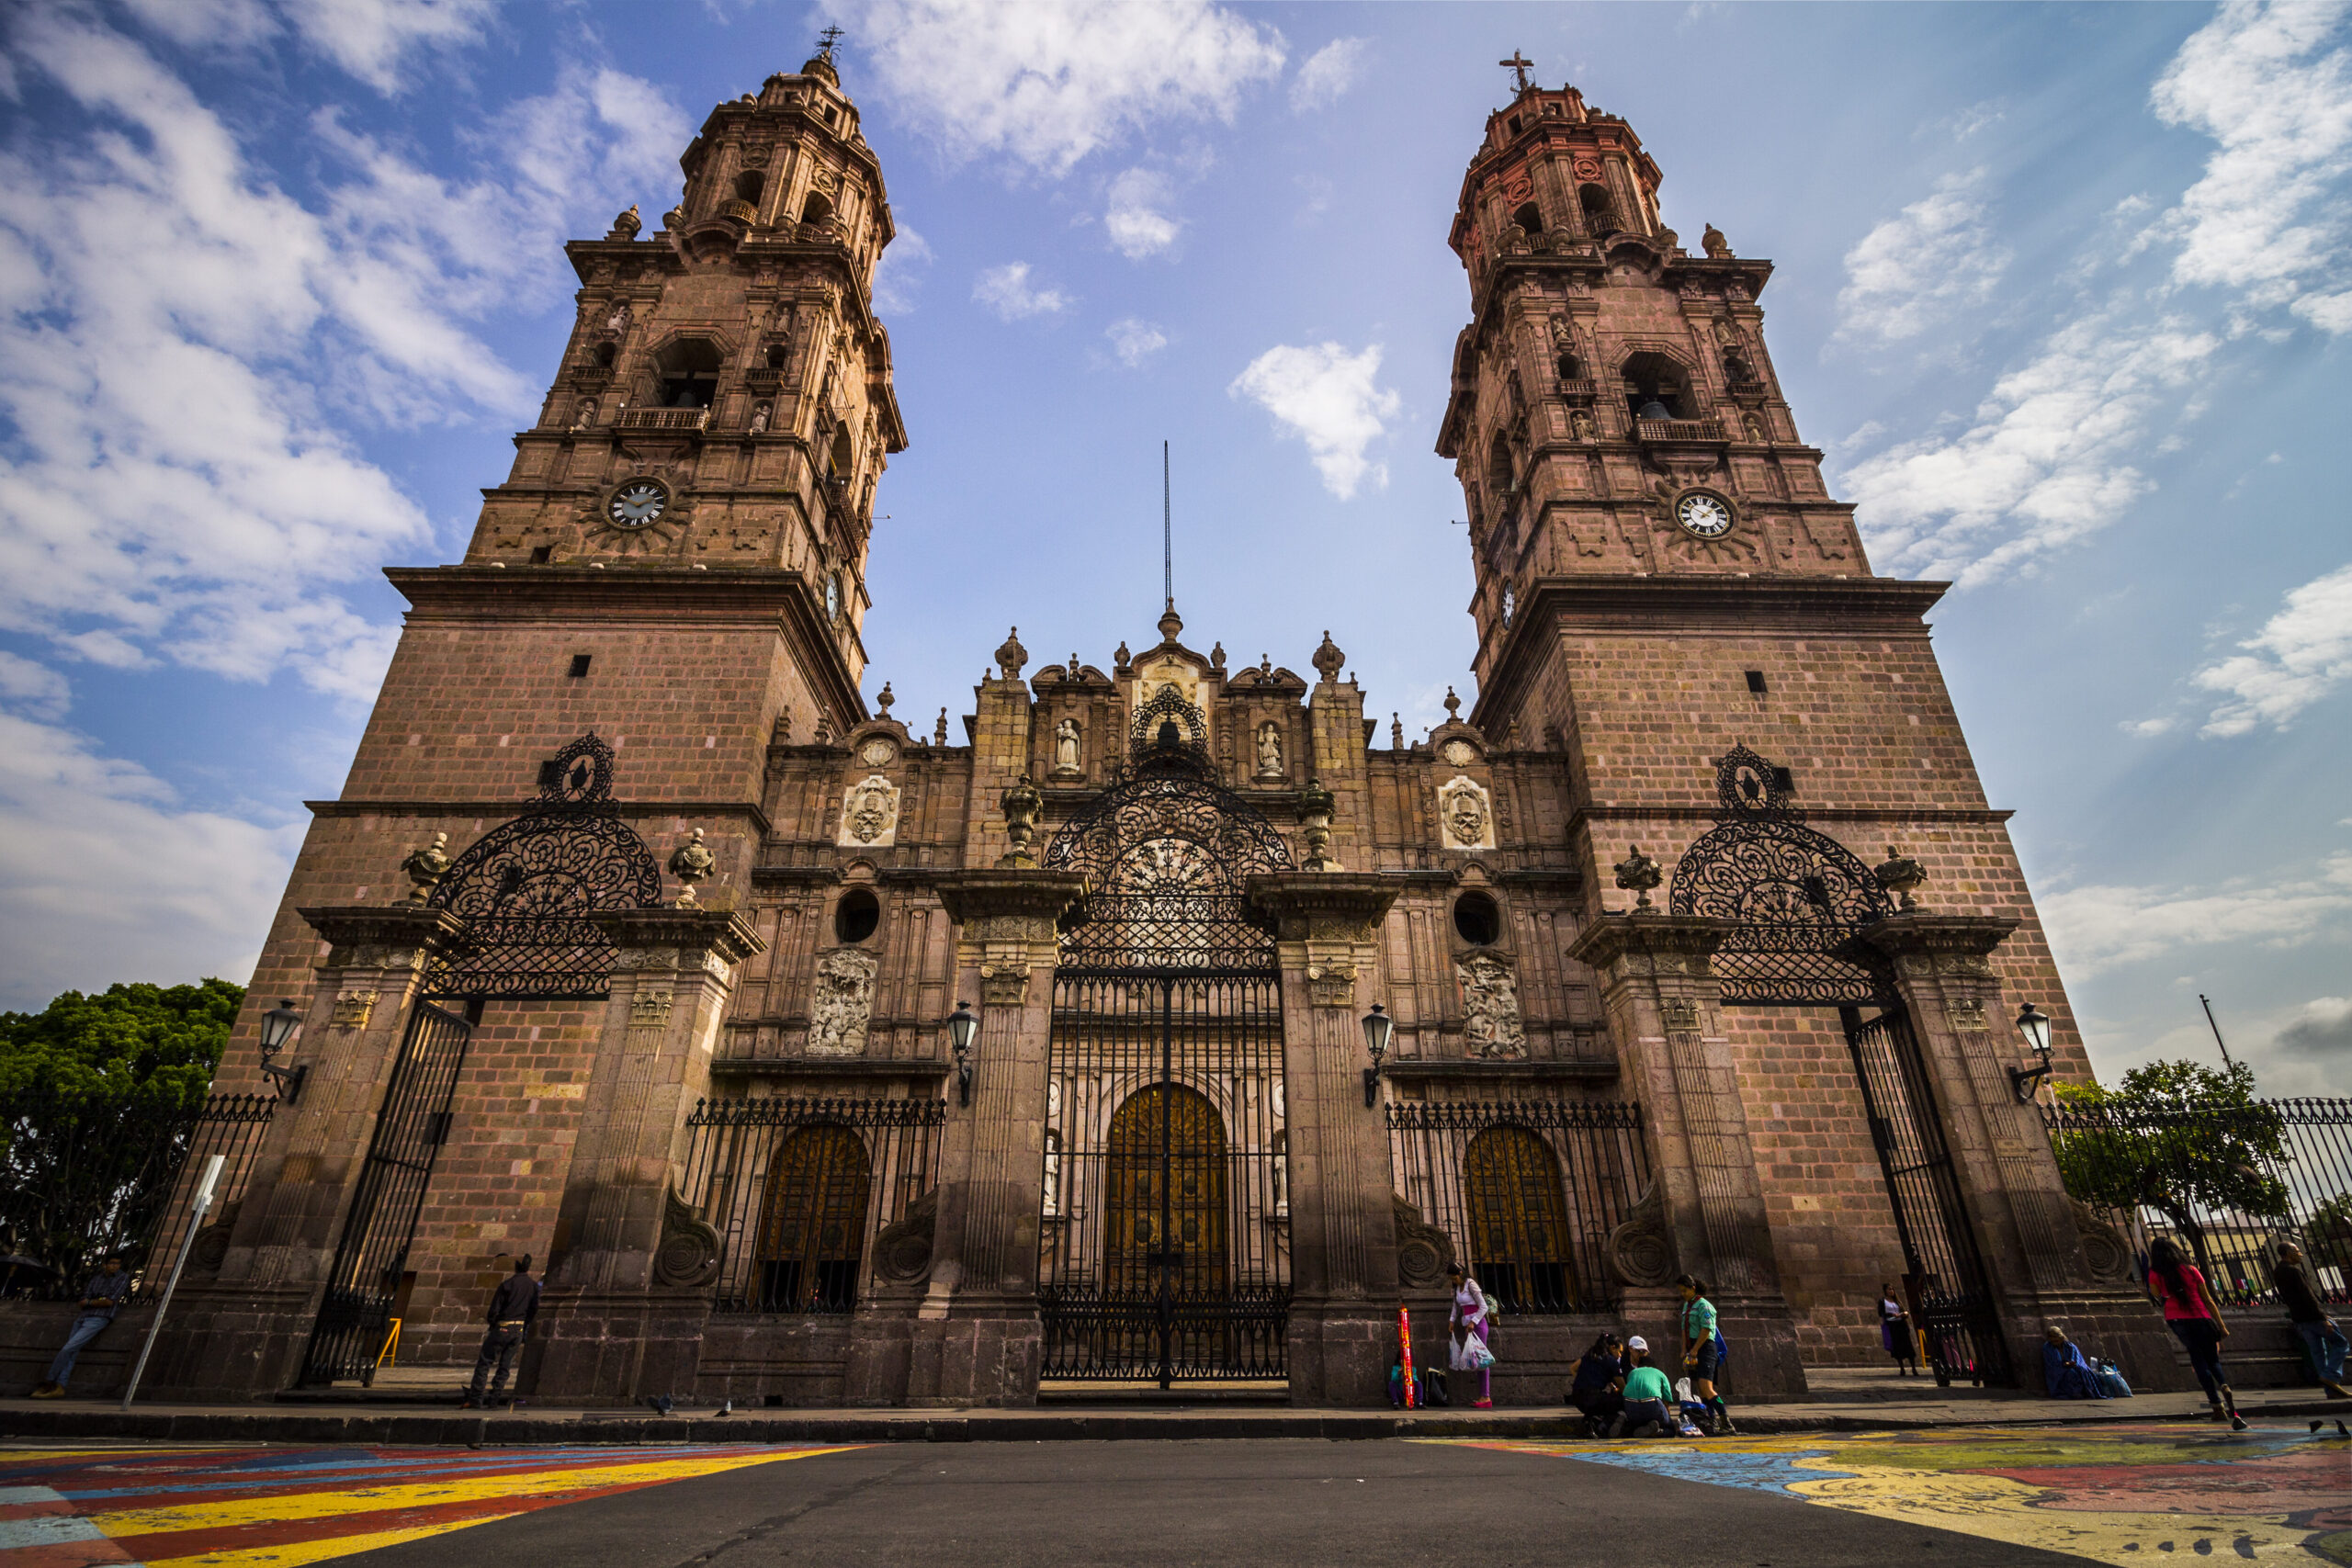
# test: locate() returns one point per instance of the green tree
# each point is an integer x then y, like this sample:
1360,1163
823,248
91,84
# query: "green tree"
98,1096
2178,1137
2328,1236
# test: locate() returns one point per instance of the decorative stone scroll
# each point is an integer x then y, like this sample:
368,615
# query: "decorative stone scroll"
687,1256
1491,1026
1331,985
843,1002
1640,1252
1424,1252
902,1248
870,813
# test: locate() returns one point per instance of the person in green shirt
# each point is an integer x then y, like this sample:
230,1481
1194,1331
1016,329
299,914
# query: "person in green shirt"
1699,1351
1646,1395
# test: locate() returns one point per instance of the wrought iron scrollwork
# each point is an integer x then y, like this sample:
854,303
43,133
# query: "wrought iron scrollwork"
1798,895
525,888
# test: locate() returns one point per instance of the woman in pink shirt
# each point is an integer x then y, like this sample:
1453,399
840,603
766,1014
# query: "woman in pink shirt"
2195,1322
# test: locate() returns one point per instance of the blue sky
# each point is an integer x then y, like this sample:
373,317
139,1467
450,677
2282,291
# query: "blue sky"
2060,291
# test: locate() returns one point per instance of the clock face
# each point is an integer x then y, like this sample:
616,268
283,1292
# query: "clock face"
637,504
833,598
1704,515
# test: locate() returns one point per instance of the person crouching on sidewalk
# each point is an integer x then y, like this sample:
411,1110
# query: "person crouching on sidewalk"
101,1299
1647,1394
512,1307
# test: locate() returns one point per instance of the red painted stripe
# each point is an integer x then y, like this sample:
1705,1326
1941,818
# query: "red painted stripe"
288,1532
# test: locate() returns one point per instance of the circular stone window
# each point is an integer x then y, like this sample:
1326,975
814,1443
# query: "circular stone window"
856,915
1476,920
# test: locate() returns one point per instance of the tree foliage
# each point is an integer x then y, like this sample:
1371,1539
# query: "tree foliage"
130,1045
2182,1139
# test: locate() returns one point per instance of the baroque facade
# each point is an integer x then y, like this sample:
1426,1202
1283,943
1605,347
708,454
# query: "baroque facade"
1663,997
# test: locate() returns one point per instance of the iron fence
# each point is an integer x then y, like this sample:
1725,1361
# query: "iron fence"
798,1190
1528,1191
79,1182
2228,1182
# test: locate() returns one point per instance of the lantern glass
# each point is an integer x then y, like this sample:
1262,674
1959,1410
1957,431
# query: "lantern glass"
2034,1024
962,1025
1377,1029
278,1027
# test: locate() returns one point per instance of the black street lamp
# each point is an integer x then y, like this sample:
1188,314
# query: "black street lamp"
963,1024
276,1028
2034,1024
1377,1028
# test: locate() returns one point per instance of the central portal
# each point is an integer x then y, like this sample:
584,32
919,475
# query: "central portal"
1166,1218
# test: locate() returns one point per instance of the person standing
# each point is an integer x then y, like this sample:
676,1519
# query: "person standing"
1646,1413
1699,1353
512,1307
2195,1321
1471,1319
101,1299
1894,1331
2321,1337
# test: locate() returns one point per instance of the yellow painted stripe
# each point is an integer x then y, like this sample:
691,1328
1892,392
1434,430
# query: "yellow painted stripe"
327,1504
314,1551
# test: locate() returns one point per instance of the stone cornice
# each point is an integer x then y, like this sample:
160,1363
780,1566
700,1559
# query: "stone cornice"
1316,904
391,936
628,810
723,933
1612,938
1710,814
1468,1072
746,595
971,895
1916,931
1820,608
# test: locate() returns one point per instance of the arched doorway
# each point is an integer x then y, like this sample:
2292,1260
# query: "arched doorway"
1164,1256
813,1222
1519,1241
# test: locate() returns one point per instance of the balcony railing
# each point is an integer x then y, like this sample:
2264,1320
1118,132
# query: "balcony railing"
662,418
1681,429
742,212
1747,388
1583,388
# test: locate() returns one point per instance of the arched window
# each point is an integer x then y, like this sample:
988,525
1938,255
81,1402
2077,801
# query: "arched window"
1476,920
689,374
1187,1217
776,357
748,185
1498,464
1600,213
1530,218
817,208
1518,1221
1571,367
606,353
840,455
1656,387
813,1222
856,916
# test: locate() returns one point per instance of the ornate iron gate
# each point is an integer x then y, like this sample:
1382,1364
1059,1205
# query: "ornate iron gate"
1166,1251
1952,1299
358,1310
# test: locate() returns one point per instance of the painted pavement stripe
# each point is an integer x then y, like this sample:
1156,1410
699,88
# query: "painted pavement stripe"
217,1486
291,1556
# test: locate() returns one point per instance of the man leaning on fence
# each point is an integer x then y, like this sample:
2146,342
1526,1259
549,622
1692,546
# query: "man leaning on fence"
101,1299
512,1307
2323,1341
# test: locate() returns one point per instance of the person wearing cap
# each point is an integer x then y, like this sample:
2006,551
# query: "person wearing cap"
512,1307
1647,1397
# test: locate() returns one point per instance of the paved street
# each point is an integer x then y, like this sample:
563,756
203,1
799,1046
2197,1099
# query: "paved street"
1952,1497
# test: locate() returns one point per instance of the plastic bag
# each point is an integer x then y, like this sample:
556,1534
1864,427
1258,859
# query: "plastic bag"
1682,1391
2110,1378
1475,1357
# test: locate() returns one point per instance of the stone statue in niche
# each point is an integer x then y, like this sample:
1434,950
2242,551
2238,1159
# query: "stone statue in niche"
1067,738
1580,426
1270,750
1490,1025
870,813
841,1004
619,320
761,413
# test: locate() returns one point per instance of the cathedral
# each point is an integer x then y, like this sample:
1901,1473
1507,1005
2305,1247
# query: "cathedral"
1160,1026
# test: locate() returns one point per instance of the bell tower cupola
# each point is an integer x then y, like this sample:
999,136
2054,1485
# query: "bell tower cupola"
1614,410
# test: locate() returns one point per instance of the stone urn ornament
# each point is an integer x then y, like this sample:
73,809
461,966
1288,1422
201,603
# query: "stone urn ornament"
1314,808
1899,874
1638,874
1021,806
692,863
426,867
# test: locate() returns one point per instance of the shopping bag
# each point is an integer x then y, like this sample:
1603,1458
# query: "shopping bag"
1475,1357
2110,1378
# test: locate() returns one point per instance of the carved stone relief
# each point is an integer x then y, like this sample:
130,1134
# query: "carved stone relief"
876,752
842,1001
1490,1006
902,1248
1331,985
1424,1251
1460,753
687,1257
1641,1251
649,1008
352,1009
1677,1013
870,813
1465,815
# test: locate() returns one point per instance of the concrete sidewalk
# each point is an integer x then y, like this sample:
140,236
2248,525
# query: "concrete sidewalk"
438,1422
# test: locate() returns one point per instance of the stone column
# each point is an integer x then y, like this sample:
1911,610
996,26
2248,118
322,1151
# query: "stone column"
2047,1259
1704,1212
240,1333
627,1287
975,1338
1344,1290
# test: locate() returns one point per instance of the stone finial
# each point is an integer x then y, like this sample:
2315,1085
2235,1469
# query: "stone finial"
1010,656
691,863
781,733
883,699
625,226
1453,707
1120,658
1329,659
1314,808
1075,667
1638,874
1714,243
674,219
1216,657
938,730
426,867
1170,623
1021,805
1899,874
1396,731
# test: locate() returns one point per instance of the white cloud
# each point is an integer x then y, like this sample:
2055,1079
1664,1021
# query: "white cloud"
1327,397
32,689
1921,267
1005,289
373,40
1135,340
2300,655
1329,72
1136,225
894,290
2321,1028
1046,85
2097,928
2146,728
2044,463
176,332
206,24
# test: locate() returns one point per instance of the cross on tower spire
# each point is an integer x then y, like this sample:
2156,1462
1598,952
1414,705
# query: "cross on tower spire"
1517,64
825,41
